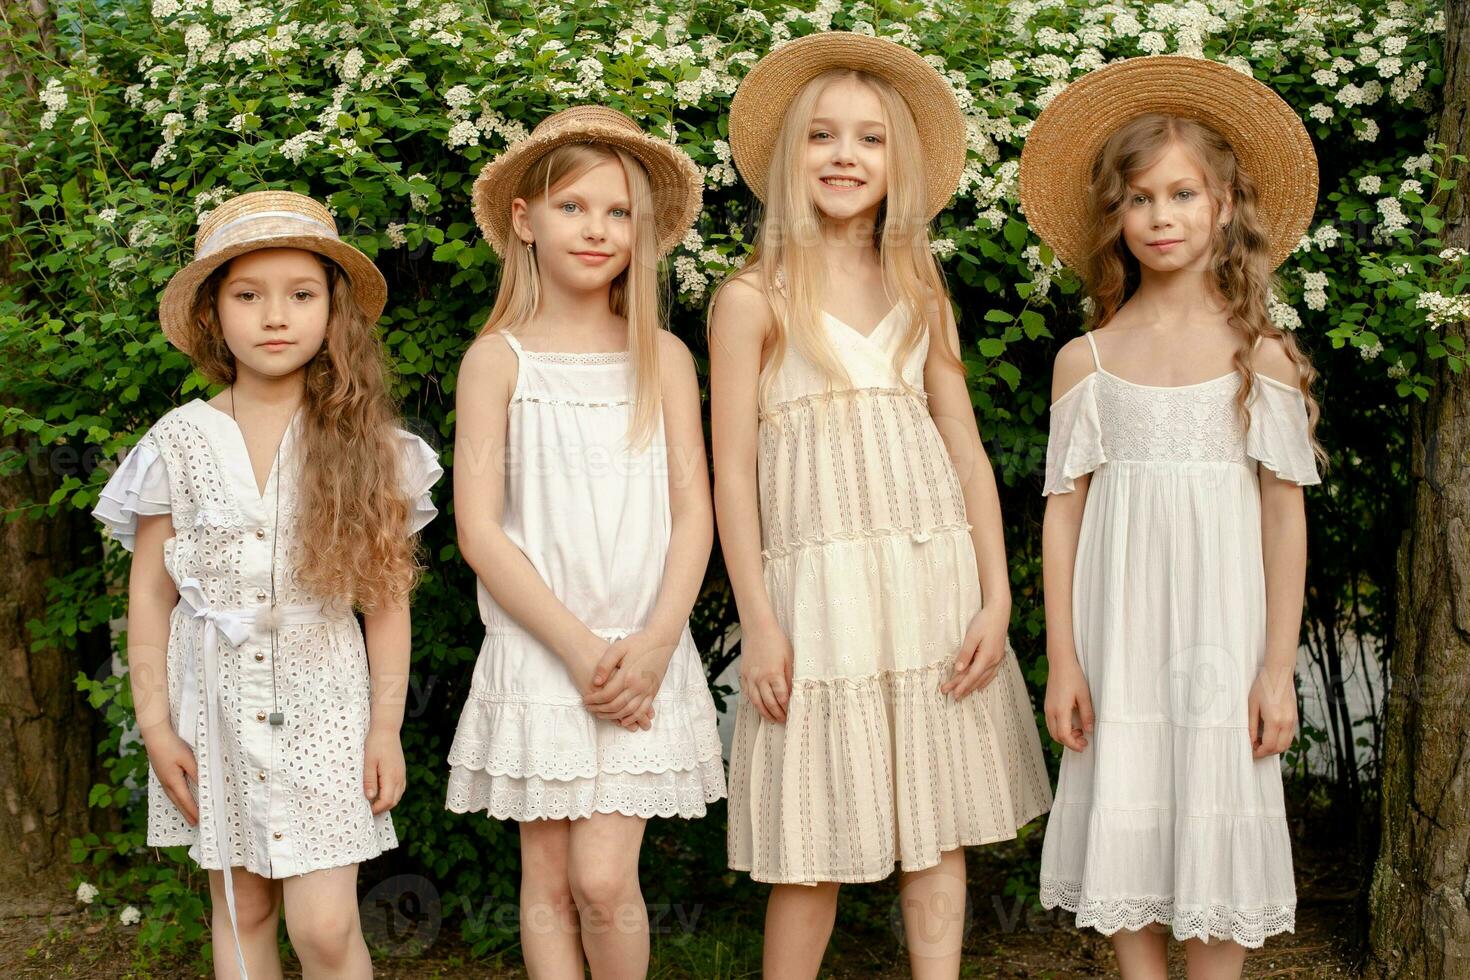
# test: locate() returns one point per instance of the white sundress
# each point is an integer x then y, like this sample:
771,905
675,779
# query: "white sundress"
872,575
277,800
1166,816
594,519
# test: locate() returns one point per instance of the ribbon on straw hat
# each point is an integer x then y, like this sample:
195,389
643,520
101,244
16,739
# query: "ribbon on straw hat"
674,181
1266,134
265,219
759,108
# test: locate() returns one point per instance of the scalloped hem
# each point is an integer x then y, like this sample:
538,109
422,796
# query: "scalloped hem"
674,793
1247,927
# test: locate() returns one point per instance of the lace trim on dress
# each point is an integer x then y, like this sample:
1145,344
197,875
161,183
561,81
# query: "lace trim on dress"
580,402
919,535
1248,927
574,357
842,393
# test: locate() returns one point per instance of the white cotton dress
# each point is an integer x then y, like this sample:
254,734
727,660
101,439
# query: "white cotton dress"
593,516
1166,816
872,575
284,800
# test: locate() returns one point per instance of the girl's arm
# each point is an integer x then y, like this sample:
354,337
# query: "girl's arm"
152,596
739,324
1272,704
482,399
645,655
387,633
1069,715
983,648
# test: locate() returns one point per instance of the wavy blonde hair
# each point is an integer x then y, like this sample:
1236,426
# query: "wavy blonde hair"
354,544
1240,261
788,242
636,293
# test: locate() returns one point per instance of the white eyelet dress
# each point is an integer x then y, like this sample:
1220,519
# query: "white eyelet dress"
276,800
1166,816
594,519
871,571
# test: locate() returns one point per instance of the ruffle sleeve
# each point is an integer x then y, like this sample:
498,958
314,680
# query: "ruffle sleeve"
1277,437
138,488
1074,446
421,470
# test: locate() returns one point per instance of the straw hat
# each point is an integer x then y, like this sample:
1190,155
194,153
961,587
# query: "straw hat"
1268,138
674,180
760,104
265,219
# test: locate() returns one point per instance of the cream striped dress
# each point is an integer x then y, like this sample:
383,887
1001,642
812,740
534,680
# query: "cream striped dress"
872,574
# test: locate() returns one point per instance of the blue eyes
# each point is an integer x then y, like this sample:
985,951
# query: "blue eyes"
572,207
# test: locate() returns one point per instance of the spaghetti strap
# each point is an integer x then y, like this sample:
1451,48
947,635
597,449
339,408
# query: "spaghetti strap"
515,345
1096,361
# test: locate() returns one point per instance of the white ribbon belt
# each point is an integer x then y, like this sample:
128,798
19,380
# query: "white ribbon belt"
236,625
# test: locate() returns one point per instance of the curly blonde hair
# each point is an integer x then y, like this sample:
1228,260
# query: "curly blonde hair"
1242,274
354,543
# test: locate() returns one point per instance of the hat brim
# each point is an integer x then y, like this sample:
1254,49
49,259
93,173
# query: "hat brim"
1269,140
675,182
758,110
176,304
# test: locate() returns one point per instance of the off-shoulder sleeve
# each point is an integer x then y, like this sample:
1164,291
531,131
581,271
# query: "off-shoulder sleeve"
138,488
1074,446
1277,437
421,470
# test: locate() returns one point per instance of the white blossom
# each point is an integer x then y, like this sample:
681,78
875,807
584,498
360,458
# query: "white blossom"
1410,187
107,215
86,893
352,63
1152,42
1282,315
1370,184
463,133
396,235
943,248
164,9
1441,310
1320,112
1393,214
129,916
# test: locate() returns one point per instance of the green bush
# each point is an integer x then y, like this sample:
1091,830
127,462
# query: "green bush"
141,119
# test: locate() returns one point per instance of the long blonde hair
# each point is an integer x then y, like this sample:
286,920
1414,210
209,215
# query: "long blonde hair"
788,241
352,511
635,294
1240,263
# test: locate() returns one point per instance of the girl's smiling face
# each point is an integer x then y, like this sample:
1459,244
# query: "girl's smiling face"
1169,219
273,306
847,151
583,230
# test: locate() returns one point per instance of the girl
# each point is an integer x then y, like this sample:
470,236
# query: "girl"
257,520
1173,562
583,507
883,718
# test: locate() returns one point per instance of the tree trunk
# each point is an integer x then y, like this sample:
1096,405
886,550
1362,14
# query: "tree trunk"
47,730
1421,923
47,734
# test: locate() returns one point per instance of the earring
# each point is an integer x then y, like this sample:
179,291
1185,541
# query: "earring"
531,246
